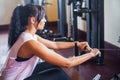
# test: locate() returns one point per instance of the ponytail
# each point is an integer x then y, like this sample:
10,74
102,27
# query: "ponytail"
14,26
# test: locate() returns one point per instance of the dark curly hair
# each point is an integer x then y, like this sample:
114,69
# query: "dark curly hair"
19,20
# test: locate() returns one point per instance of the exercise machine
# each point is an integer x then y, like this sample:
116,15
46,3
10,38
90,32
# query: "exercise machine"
94,15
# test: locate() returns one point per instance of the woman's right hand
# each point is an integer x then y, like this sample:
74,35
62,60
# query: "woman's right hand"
94,52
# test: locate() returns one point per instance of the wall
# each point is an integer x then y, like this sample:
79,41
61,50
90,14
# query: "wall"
6,9
112,21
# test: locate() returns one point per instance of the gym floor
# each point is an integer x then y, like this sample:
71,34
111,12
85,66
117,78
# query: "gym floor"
87,70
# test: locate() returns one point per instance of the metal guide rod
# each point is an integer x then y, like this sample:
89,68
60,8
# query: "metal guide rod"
75,28
111,49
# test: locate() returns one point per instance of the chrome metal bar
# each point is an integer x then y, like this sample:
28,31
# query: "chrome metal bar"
111,49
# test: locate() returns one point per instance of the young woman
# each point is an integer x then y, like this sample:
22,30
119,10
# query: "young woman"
27,49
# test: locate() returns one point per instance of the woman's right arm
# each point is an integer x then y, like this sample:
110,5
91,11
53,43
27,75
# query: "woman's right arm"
52,57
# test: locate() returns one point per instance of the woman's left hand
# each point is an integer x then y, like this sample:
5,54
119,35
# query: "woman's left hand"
84,46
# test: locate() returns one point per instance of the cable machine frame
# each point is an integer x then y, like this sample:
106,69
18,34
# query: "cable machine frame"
94,11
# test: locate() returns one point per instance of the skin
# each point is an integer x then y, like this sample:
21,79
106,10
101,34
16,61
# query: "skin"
43,46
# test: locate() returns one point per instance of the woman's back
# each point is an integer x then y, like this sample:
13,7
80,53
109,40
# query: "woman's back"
19,70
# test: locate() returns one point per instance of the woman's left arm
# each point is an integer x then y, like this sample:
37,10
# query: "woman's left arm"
62,45
55,45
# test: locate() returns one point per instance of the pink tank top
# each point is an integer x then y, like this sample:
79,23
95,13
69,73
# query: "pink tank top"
19,70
